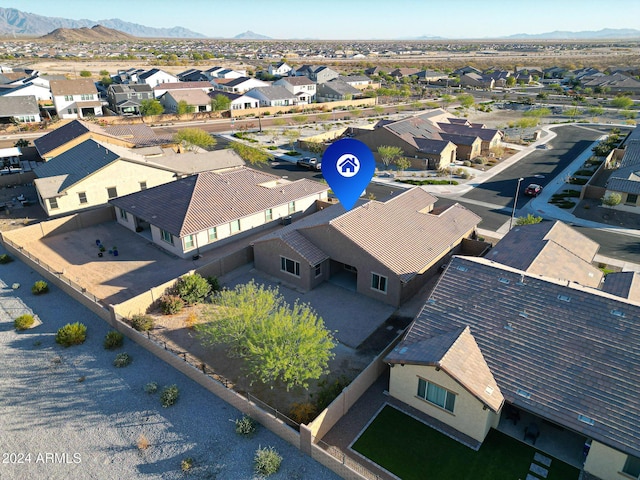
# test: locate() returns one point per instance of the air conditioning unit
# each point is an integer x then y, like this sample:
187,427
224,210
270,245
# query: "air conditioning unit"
286,220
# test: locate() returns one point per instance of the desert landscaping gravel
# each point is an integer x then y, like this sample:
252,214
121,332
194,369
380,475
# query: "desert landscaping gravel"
68,413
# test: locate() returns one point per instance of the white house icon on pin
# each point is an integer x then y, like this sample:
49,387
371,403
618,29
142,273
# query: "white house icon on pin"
348,165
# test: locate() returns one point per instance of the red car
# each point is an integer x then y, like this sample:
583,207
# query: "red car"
533,190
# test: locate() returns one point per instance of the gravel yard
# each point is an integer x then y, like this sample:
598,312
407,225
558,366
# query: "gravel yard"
70,414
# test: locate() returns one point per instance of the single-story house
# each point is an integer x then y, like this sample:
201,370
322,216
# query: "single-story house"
279,69
238,101
273,96
336,91
209,209
237,85
196,100
163,88
625,180
384,250
19,109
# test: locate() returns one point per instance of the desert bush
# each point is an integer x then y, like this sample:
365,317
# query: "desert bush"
122,360
5,258
171,304
23,322
142,323
267,461
40,287
612,199
71,334
143,442
169,395
302,412
186,464
151,388
113,340
191,320
192,288
245,425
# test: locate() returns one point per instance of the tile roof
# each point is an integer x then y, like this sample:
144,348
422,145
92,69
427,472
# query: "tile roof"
64,134
192,97
20,105
624,185
304,247
429,146
456,353
184,85
130,87
340,87
297,81
556,349
139,134
73,87
196,203
274,92
552,249
623,284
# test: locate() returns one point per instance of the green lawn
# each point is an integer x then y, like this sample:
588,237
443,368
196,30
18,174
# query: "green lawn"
412,450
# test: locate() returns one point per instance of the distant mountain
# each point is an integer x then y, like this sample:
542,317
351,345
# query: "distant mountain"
605,33
97,33
429,37
249,35
16,22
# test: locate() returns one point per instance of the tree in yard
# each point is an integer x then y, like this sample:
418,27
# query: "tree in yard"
538,112
106,80
446,99
378,110
612,199
528,220
278,342
194,137
388,153
292,136
595,110
621,102
104,73
510,82
402,163
220,102
151,107
192,288
526,122
184,107
85,73
251,155
466,100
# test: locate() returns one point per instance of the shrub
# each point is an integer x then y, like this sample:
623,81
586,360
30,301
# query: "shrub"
143,442
113,340
329,391
267,461
186,464
5,258
245,425
612,199
302,412
171,304
71,334
151,388
40,287
192,288
122,360
23,322
169,395
142,323
191,320
214,283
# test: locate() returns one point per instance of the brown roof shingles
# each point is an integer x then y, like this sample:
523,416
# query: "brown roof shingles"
73,87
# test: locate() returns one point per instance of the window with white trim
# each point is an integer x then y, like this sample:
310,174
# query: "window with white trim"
290,266
82,197
379,282
213,234
53,203
432,393
188,241
166,236
292,207
123,214
143,185
632,466
318,269
268,214
235,226
112,192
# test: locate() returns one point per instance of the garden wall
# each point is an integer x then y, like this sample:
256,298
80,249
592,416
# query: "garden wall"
310,109
17,179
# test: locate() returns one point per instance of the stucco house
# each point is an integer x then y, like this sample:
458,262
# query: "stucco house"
279,69
494,343
196,100
209,209
154,77
625,180
336,91
75,98
383,250
238,85
125,99
238,101
299,86
317,73
42,93
274,96
22,109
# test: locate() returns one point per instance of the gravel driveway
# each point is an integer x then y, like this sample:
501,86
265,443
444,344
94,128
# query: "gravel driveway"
70,414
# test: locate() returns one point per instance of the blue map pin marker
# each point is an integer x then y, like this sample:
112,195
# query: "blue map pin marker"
347,166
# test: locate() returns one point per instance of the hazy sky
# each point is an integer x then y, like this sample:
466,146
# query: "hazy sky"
352,19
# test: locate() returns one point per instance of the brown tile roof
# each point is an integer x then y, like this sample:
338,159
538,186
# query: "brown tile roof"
567,353
139,134
192,97
304,247
196,203
72,87
404,222
183,85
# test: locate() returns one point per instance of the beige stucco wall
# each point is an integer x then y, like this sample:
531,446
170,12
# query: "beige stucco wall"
86,136
125,176
605,462
468,416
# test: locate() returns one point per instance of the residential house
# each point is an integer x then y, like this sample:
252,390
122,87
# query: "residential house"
430,76
375,71
125,99
196,100
477,80
155,77
367,246
336,91
10,157
129,75
22,109
193,75
361,82
615,83
490,137
76,98
238,102
273,96
625,180
279,69
222,73
317,73
403,72
302,86
203,211
493,342
238,85
163,88
91,173
467,69
42,93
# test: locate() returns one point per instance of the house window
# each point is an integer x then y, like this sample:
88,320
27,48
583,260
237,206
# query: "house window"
188,241
437,395
82,196
235,226
268,214
123,214
213,234
379,282
53,203
632,199
632,467
166,236
290,266
112,192
68,98
318,270
143,185
292,207
69,111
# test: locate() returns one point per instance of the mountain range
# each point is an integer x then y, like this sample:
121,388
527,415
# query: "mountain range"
605,33
97,33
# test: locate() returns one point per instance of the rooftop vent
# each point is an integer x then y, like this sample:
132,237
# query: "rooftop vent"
523,393
461,268
587,420
488,390
564,298
504,280
524,314
617,313
403,350
509,326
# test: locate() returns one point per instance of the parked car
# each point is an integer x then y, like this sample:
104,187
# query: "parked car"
533,190
311,163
